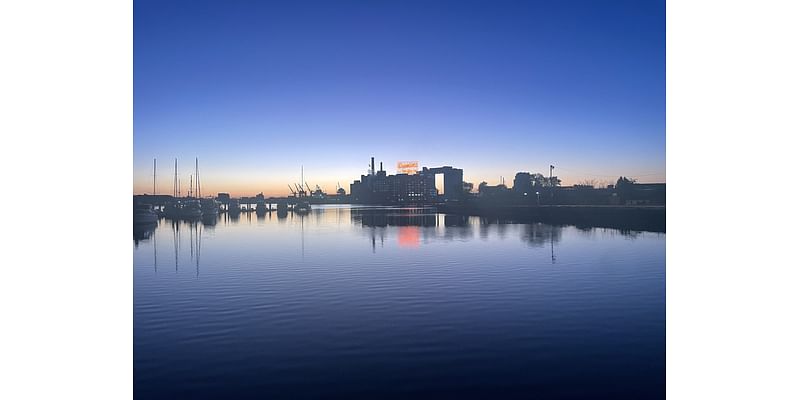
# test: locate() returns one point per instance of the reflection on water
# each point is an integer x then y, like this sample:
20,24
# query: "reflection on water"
143,232
383,302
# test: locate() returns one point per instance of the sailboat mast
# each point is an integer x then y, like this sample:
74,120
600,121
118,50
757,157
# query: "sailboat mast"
154,177
175,190
190,186
197,177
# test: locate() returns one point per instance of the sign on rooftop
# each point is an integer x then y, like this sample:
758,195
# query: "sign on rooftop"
407,167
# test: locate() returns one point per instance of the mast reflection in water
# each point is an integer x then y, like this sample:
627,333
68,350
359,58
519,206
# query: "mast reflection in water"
390,302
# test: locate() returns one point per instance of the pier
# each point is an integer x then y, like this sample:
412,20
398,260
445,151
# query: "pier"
247,204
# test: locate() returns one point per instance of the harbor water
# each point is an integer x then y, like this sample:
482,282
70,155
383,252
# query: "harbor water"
360,302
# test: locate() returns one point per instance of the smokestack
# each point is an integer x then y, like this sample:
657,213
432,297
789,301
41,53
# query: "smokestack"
372,165
381,166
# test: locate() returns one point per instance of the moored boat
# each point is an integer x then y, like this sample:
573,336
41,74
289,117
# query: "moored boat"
302,206
191,209
172,210
210,207
144,214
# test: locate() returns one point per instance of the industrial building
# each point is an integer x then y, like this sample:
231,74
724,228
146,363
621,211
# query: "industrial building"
377,187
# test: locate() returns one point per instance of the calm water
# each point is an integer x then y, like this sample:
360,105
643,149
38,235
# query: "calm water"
396,303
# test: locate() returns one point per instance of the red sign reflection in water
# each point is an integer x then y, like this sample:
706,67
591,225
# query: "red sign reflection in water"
408,236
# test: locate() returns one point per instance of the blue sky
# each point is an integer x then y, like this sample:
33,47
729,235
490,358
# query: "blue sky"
256,89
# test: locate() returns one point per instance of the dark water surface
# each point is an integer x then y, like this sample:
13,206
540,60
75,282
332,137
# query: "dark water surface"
396,303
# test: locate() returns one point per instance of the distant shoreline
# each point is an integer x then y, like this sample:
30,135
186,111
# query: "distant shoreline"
645,218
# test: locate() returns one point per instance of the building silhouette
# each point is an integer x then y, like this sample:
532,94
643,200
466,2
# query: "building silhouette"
378,187
523,183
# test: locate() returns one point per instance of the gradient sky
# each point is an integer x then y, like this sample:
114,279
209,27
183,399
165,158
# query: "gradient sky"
256,89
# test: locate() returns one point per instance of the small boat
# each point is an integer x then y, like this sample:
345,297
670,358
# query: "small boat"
302,206
191,209
144,214
210,207
172,211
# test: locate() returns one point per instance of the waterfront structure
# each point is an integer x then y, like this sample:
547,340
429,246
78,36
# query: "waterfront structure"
377,187
419,187
642,193
486,190
453,189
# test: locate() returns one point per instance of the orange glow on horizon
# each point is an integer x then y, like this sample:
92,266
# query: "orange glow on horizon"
245,187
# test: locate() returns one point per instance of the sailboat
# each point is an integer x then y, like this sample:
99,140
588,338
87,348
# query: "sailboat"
173,209
144,214
191,209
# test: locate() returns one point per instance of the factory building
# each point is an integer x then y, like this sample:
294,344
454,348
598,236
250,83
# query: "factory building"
377,187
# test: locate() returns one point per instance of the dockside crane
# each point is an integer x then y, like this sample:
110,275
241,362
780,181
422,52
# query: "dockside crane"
300,191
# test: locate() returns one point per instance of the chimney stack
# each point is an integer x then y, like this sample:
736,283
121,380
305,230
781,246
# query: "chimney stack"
372,166
381,166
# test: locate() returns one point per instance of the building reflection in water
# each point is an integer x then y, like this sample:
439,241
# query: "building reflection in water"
408,236
394,216
539,235
415,226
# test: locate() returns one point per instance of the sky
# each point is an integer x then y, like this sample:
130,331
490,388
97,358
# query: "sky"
258,89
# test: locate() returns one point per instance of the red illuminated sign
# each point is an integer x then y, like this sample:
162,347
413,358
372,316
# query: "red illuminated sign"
407,167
